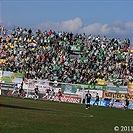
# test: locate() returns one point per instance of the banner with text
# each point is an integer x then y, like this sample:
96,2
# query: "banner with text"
118,96
69,99
117,89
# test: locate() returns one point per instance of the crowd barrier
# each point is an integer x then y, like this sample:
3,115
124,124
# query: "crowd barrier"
72,93
72,99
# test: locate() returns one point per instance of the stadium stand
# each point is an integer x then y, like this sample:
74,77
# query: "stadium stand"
67,57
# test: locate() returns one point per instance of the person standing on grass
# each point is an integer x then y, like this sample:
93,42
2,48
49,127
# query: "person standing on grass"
87,99
15,89
97,100
36,92
47,93
21,91
52,95
59,94
126,104
112,101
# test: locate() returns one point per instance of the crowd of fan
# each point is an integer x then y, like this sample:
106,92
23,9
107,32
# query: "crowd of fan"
49,55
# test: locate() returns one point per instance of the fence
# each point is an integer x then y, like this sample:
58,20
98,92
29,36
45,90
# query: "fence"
77,90
72,93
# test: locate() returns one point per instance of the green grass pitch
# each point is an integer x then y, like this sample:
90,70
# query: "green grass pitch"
39,116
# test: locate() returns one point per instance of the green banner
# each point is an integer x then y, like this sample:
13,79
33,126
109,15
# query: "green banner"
92,87
12,77
73,88
69,88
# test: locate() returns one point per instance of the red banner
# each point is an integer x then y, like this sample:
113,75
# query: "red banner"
69,99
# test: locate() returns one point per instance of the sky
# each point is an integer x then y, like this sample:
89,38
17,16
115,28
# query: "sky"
98,17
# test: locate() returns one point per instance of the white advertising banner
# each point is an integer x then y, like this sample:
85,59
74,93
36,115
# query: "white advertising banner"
93,92
31,84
